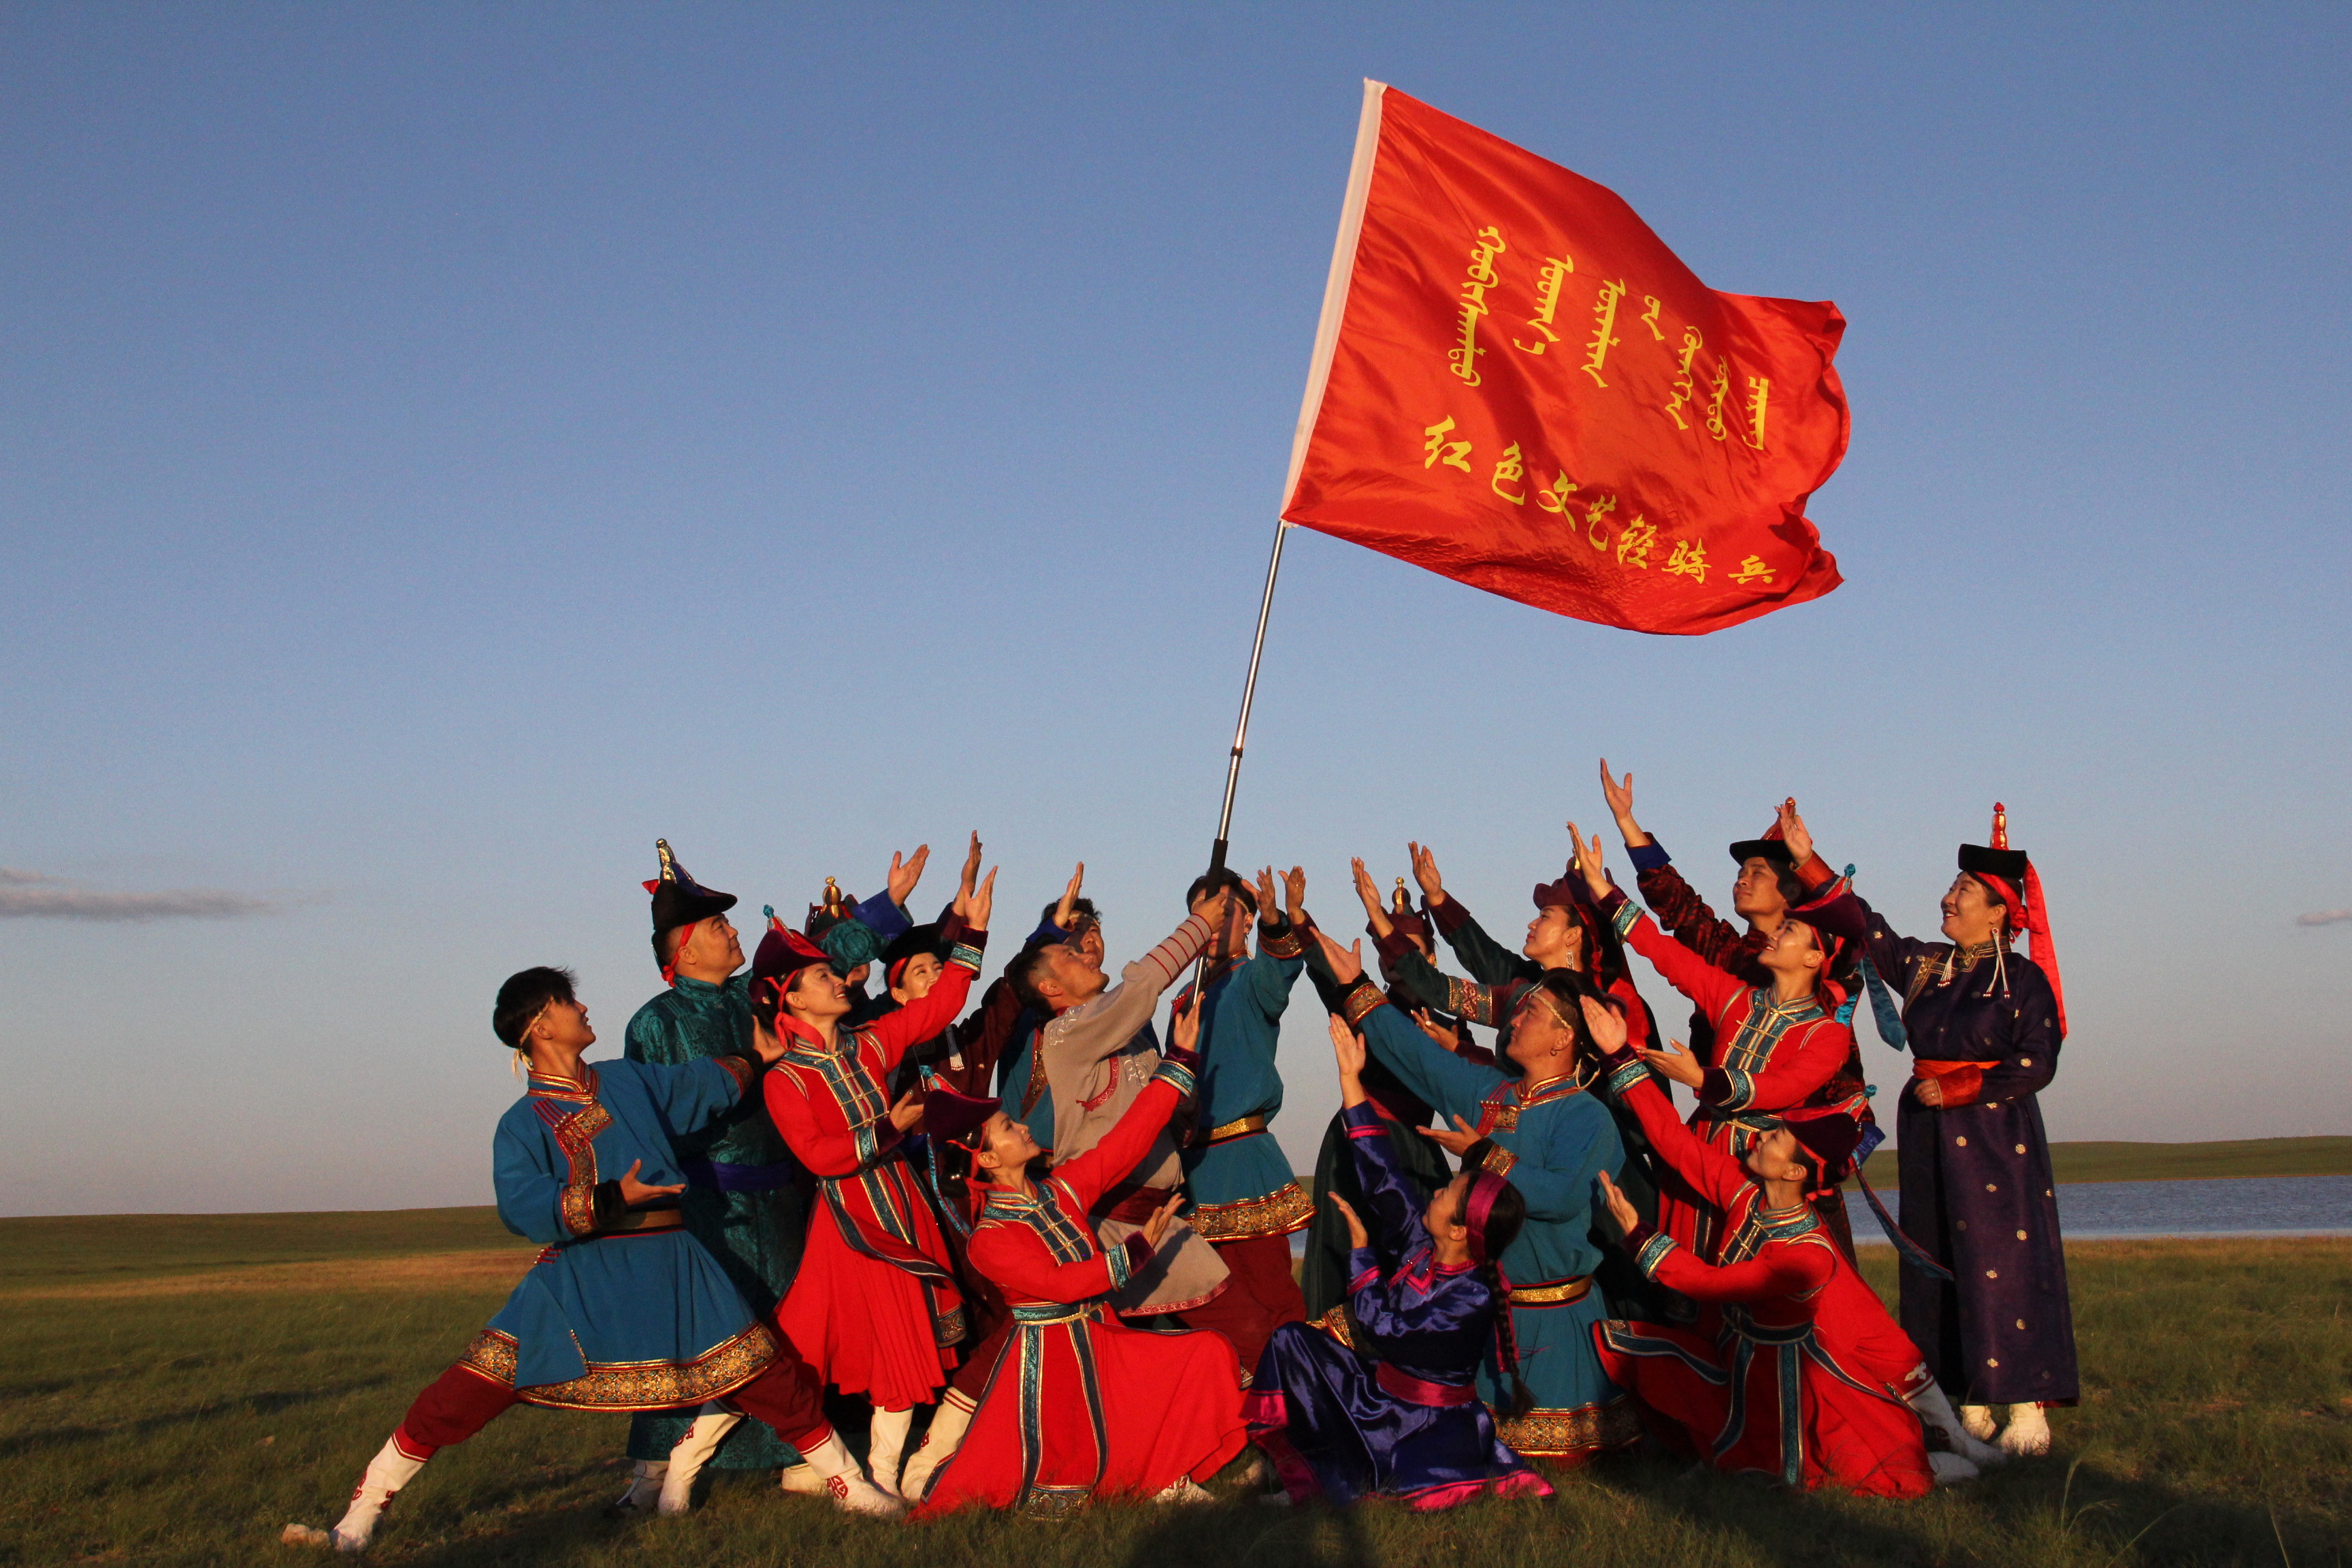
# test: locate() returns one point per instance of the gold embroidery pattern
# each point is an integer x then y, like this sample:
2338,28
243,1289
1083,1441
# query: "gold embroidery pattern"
492,1354
1335,1323
1498,1161
576,1136
1359,1002
1279,1213
1558,1294
658,1385
1574,1435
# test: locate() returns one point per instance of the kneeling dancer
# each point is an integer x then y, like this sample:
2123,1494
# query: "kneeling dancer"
1404,1420
1080,1405
1804,1379
624,1310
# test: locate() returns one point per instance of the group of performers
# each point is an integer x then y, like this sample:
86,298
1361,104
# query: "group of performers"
1071,1242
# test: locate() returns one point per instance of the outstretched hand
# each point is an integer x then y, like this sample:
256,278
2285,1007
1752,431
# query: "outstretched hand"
1369,891
1619,794
1619,1208
1067,908
905,873
1294,894
1424,871
907,1111
1676,1062
982,904
1588,860
1794,831
635,1192
1348,1049
1357,1235
1347,963
1268,910
1605,1025
1155,1229
1454,1140
970,877
1443,1033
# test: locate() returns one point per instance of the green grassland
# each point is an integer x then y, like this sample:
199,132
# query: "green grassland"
2174,1162
175,1390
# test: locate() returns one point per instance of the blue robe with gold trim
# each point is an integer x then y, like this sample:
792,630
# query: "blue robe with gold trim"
633,1314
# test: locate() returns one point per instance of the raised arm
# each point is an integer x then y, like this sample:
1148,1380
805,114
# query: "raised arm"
694,1094
894,1034
1078,1040
1122,1148
1488,961
1786,1268
1716,1176
1832,902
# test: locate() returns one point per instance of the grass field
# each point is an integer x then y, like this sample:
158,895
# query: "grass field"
175,1390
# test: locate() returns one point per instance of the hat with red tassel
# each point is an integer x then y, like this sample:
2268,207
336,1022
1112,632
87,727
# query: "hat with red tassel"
680,900
2013,880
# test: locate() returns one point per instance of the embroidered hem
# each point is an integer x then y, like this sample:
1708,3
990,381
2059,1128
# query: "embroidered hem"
1572,1435
632,1385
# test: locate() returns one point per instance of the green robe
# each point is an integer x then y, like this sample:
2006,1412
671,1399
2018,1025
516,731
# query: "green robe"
756,1237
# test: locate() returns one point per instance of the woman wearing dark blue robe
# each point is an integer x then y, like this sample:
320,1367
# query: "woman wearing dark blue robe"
1399,1416
1984,1026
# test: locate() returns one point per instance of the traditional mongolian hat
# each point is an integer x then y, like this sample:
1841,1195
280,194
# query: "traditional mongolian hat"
913,943
2018,885
1408,921
783,953
955,1116
832,925
1832,1140
1771,847
680,900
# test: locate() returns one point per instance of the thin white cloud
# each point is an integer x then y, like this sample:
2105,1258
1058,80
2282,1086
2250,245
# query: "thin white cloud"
31,895
2324,917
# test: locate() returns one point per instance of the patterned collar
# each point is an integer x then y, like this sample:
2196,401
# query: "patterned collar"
555,1086
1549,1090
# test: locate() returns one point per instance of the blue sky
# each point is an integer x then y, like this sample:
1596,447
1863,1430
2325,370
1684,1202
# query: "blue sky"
443,448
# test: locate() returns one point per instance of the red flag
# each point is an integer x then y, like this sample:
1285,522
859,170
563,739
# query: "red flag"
1516,384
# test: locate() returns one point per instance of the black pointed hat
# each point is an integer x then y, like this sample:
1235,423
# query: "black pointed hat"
1771,847
678,899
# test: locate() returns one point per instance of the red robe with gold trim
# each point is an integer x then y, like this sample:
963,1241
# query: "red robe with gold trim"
1805,1378
875,1307
1078,1404
1772,1058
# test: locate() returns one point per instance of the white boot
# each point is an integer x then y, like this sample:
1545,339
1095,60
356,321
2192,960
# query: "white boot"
949,1422
1950,1469
2028,1433
644,1485
1977,1421
693,1451
386,1473
846,1484
1181,1491
1937,1412
801,1480
886,1446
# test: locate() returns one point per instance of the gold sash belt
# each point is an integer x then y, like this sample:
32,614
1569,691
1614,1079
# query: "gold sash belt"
1559,1293
1229,1132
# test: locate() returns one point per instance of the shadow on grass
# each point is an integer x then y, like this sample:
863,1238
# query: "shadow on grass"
264,1403
2059,1510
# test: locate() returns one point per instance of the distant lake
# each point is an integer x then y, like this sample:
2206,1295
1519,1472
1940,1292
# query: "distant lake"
2239,1205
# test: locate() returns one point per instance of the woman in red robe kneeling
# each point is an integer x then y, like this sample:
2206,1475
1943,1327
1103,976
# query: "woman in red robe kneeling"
1806,1380
1080,1405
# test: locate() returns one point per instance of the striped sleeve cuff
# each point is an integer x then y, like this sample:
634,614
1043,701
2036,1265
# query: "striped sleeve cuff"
969,947
1728,1089
1622,918
1360,999
1178,1077
1625,1077
1280,941
1653,1252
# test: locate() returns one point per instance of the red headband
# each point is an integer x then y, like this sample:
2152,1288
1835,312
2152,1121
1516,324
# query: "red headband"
1484,1188
669,969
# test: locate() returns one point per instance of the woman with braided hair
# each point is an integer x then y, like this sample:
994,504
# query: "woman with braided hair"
1399,1416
